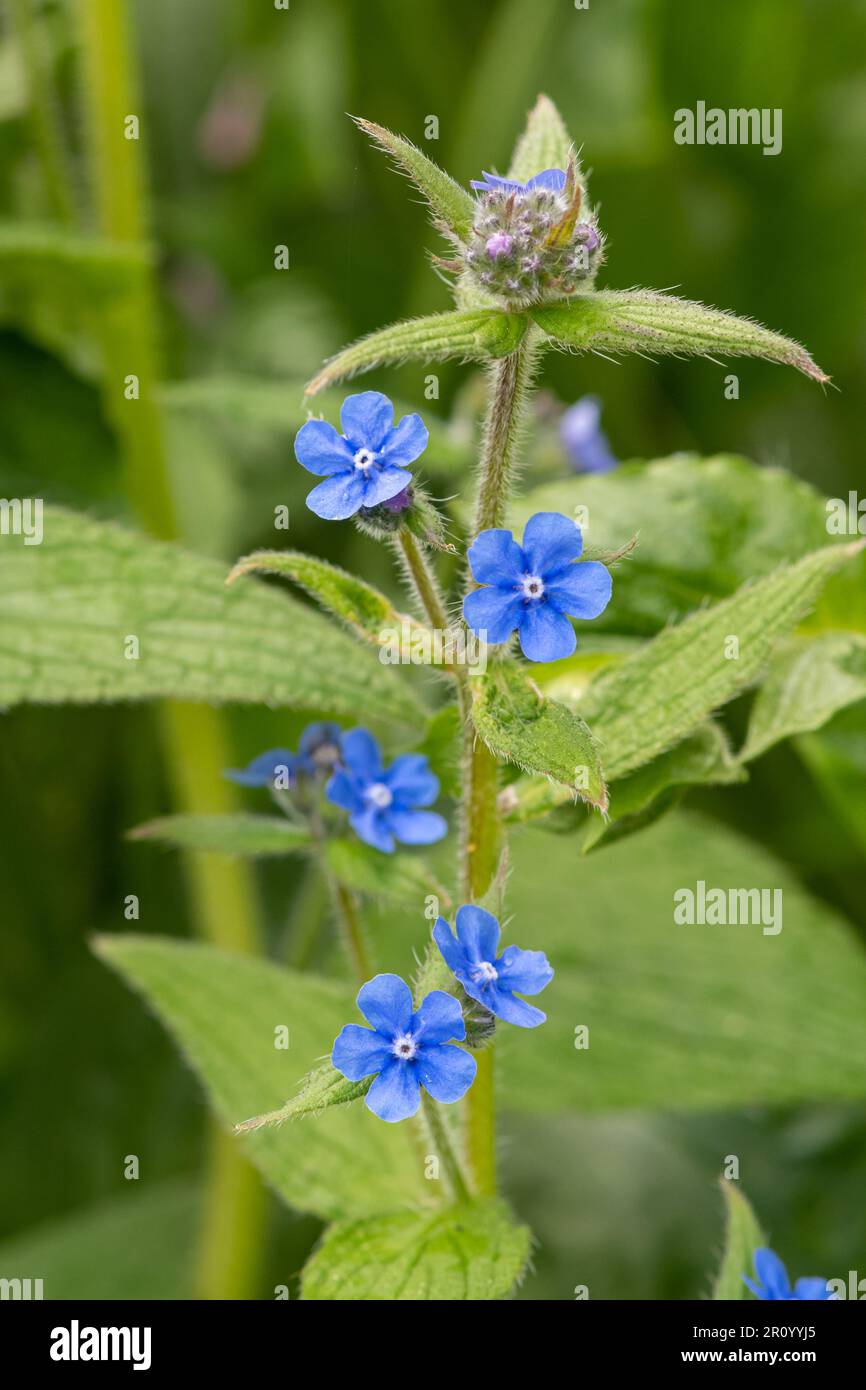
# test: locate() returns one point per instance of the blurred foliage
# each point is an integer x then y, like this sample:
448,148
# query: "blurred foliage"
250,148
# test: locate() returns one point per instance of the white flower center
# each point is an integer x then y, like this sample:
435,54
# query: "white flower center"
484,973
532,586
379,796
364,459
404,1047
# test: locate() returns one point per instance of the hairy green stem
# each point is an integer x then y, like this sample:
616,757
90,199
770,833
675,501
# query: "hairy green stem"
440,1139
194,739
423,579
351,931
511,380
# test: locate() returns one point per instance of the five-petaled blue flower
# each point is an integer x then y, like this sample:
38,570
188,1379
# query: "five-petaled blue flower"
552,179
383,803
490,979
534,585
405,1049
280,768
366,464
583,440
773,1283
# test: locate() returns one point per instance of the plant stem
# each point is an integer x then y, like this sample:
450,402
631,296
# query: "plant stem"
193,738
511,381
43,112
351,931
441,1141
423,579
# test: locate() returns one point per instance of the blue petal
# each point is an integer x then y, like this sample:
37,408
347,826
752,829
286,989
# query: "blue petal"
756,1288
381,484
477,932
582,590
360,1052
319,745
372,826
366,418
496,558
770,1271
343,790
395,1094
511,1009
386,1003
439,1019
321,450
812,1289
550,540
446,1072
406,442
416,827
262,771
585,444
554,179
487,182
361,755
493,613
339,497
523,972
450,949
545,635
411,781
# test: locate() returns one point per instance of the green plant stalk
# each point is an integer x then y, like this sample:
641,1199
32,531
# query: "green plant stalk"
193,738
423,579
43,111
351,931
481,828
440,1140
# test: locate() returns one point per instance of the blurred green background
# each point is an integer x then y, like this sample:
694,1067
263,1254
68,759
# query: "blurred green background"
248,147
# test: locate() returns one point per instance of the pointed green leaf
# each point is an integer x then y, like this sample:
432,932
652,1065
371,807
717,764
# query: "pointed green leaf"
809,680
321,1089
363,609
69,606
648,702
398,877
475,1251
223,1011
743,1236
470,335
544,144
451,204
613,321
232,834
538,734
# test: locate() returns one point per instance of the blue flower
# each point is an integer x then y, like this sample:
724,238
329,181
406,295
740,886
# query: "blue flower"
773,1283
366,464
488,978
532,587
319,747
278,768
552,179
383,803
585,444
405,1050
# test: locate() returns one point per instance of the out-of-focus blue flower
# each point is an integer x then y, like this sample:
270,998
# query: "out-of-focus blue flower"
531,587
405,1049
771,1281
319,747
585,444
491,979
552,179
366,464
278,768
383,803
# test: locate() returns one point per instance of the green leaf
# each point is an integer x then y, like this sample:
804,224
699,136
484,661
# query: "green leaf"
743,1236
232,834
651,700
321,1089
67,607
537,734
680,1016
451,204
471,1252
399,877
704,526
836,758
809,680
223,1010
613,321
544,144
363,609
470,335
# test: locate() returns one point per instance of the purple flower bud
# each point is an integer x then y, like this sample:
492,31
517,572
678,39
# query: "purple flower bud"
499,244
401,503
588,235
